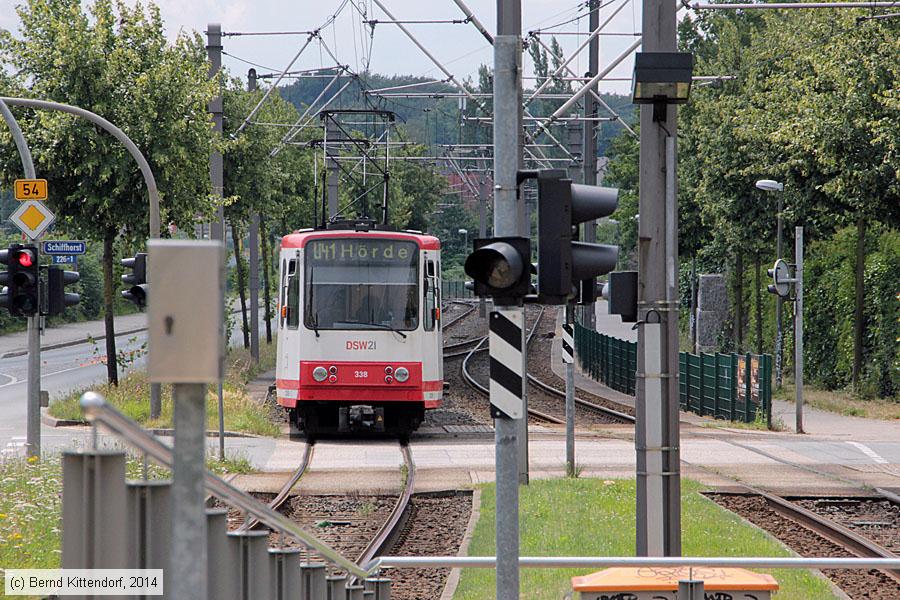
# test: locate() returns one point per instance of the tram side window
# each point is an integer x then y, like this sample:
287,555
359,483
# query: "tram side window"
293,295
430,299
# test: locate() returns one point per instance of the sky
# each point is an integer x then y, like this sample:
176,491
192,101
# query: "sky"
459,47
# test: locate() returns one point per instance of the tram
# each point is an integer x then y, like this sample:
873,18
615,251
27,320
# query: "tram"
359,329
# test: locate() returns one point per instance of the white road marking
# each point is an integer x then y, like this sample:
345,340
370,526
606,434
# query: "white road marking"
869,452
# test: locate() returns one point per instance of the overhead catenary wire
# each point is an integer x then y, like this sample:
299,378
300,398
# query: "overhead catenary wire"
312,35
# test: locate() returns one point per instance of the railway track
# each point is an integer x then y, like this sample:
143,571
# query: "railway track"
345,523
546,388
812,534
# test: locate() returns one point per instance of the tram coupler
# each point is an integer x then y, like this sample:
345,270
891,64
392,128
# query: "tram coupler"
361,417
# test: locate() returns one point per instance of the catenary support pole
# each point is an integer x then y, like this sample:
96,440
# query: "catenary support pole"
188,579
798,326
217,177
33,378
591,128
656,432
254,260
507,210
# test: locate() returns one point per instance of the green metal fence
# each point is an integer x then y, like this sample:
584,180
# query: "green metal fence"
736,387
455,289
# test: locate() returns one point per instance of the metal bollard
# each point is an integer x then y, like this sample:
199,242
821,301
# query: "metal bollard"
94,511
690,589
312,581
336,587
285,568
381,586
150,526
355,592
223,559
253,564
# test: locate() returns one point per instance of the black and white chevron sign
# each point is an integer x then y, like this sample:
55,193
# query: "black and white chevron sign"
568,343
505,339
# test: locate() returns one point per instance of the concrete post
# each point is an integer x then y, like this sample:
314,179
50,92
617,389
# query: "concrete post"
286,576
222,557
689,589
189,553
94,512
312,581
589,160
150,526
658,463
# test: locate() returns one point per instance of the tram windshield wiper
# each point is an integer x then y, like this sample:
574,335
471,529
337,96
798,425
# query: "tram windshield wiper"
315,323
378,325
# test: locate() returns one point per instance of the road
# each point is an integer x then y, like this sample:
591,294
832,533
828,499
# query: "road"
62,371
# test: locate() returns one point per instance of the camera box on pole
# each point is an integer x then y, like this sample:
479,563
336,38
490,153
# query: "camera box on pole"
185,311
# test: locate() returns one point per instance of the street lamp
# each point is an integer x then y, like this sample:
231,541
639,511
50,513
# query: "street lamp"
465,232
660,79
769,185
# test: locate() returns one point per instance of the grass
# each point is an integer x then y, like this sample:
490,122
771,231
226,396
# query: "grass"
132,397
844,403
30,504
757,424
592,517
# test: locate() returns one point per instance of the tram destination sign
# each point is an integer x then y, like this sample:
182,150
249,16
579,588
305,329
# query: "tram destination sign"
367,250
64,247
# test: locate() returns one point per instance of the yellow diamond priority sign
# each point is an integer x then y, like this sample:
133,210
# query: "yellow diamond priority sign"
33,218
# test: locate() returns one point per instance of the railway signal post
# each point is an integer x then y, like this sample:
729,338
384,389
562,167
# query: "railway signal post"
568,358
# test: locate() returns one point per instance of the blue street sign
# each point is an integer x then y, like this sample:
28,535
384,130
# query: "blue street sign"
64,259
64,247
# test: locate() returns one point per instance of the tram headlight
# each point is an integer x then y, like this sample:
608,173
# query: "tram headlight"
320,374
401,374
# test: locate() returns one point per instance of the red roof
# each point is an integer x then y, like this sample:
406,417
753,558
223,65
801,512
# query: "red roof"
298,239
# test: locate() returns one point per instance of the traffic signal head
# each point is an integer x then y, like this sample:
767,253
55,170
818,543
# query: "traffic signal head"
22,280
564,263
138,288
57,297
500,268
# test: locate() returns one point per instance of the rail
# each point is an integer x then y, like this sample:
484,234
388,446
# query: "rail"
99,412
385,536
285,490
599,562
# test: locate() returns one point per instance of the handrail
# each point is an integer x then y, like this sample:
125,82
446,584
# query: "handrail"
581,562
97,410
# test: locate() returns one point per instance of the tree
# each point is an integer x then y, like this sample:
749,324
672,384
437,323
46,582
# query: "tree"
116,62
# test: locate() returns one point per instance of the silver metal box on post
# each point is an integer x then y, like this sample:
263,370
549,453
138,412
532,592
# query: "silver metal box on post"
94,511
184,317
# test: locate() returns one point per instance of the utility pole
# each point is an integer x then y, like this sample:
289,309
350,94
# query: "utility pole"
798,325
216,176
33,383
657,430
254,259
507,222
779,302
483,191
589,157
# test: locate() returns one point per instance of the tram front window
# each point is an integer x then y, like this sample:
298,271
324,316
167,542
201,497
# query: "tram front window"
361,283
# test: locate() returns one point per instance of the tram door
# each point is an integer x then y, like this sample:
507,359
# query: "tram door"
289,317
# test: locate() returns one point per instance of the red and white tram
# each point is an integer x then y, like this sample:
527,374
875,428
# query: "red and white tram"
359,331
